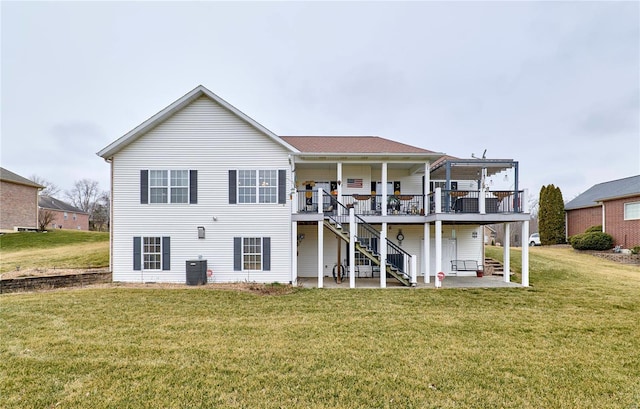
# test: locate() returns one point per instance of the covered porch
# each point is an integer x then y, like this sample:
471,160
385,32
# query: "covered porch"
492,281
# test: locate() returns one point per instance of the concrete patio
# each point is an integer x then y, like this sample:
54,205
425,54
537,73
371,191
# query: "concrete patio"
493,281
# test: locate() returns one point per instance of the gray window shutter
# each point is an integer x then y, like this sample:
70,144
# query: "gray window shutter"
166,253
266,253
237,253
144,186
193,186
232,187
137,253
282,186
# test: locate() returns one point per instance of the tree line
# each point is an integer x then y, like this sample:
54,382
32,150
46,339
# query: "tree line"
85,194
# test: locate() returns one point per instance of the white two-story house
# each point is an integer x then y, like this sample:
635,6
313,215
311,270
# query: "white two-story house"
200,180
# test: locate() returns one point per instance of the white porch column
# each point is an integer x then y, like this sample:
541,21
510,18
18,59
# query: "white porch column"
525,253
414,270
507,250
481,201
384,189
353,229
383,256
425,189
320,242
339,178
438,201
438,251
294,253
425,252
320,253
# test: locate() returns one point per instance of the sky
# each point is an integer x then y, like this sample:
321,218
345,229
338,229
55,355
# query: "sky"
552,85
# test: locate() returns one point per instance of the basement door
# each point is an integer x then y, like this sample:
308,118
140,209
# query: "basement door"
449,252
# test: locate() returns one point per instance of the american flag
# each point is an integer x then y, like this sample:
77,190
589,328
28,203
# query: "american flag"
354,183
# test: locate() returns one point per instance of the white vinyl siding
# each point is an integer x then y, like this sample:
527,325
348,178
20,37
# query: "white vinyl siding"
206,137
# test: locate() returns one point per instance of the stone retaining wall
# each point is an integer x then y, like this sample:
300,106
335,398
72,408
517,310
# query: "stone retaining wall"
619,257
13,285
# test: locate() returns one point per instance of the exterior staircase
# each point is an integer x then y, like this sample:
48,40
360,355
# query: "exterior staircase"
342,231
490,263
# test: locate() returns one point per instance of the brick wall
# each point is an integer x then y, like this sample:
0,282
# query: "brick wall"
626,233
60,222
579,220
49,282
18,206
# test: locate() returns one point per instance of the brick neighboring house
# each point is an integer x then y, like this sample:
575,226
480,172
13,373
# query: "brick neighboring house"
18,202
614,204
65,215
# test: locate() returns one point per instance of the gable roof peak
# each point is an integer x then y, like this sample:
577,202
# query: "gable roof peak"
178,105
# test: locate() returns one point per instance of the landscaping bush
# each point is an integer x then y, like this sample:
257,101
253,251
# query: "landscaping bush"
635,250
594,229
591,241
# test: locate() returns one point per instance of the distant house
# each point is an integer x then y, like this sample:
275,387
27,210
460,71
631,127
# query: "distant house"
65,216
615,205
18,202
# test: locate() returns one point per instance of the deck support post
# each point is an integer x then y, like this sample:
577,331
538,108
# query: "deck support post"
425,252
525,254
294,253
353,230
383,256
507,252
438,251
320,242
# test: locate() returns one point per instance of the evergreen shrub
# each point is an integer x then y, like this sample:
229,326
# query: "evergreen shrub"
591,241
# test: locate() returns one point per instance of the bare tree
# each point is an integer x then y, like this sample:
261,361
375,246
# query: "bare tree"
84,194
50,188
101,212
45,217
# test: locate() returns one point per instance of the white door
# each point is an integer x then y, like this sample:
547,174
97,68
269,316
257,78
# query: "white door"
449,251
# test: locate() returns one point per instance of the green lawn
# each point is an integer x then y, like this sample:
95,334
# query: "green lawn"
54,249
572,340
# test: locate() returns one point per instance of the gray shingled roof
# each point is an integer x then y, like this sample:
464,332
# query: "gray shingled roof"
48,202
607,190
9,176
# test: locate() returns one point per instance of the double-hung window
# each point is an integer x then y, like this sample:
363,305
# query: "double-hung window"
252,253
632,211
257,186
268,186
169,186
247,186
152,253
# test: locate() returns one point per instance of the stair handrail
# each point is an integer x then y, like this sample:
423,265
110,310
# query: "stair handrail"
340,218
364,230
398,250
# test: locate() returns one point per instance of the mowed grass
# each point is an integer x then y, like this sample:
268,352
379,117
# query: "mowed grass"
54,249
572,340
